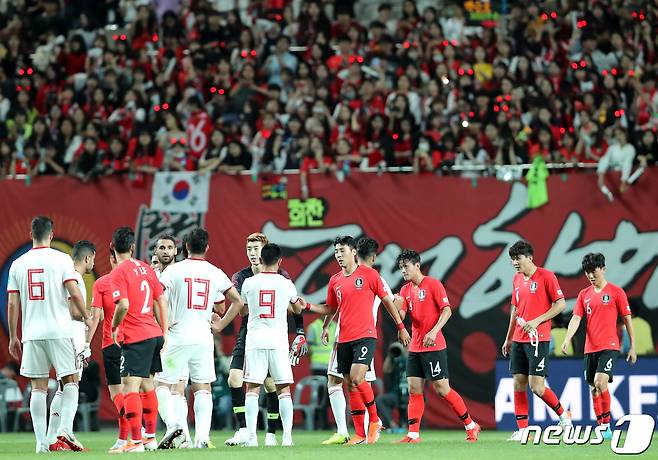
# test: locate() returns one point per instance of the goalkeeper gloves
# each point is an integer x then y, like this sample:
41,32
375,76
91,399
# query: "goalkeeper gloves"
298,349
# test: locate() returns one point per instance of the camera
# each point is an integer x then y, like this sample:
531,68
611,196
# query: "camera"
395,349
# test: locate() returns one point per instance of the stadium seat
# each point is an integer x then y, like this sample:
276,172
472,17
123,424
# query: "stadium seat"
6,387
643,339
316,398
558,334
24,407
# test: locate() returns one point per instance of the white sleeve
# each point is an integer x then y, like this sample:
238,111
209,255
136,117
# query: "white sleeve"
387,288
224,282
627,162
12,282
68,271
293,292
604,162
245,290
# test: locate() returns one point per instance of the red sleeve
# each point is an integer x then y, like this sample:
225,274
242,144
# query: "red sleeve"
553,287
403,294
119,286
513,299
623,306
579,308
159,158
96,296
440,295
376,284
332,301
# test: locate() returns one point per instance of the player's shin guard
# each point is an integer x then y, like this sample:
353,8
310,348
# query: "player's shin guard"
596,405
551,401
605,407
238,400
150,412
251,412
202,415
459,408
124,427
38,414
521,409
358,411
415,412
369,400
54,419
272,411
70,395
165,408
133,410
338,406
285,408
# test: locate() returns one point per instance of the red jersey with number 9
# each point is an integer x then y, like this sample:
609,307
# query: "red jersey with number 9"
137,282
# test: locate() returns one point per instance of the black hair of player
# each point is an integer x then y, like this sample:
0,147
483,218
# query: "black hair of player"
82,249
184,247
592,261
42,226
366,247
345,241
168,237
197,239
270,254
122,239
408,255
521,248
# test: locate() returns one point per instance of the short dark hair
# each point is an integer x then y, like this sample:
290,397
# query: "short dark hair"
82,249
408,255
270,254
366,247
592,261
345,240
122,239
183,250
167,237
197,239
521,248
42,226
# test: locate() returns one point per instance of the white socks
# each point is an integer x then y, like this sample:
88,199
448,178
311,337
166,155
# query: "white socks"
286,412
69,407
54,420
470,426
338,406
202,415
38,414
251,412
165,408
182,410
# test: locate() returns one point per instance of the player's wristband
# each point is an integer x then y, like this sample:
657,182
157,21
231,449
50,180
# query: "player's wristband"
400,326
307,307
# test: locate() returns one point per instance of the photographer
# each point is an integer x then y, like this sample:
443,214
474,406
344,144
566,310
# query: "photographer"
397,389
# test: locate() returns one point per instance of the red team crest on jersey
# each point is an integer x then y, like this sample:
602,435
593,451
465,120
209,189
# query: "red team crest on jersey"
606,299
358,283
533,287
422,294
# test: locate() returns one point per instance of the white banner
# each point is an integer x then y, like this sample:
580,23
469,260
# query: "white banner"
180,192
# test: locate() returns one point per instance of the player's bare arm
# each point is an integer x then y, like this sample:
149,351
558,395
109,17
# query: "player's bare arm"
234,310
119,314
161,312
430,338
326,321
557,307
13,307
220,307
96,318
78,307
398,301
507,345
631,357
296,307
403,335
574,323
320,309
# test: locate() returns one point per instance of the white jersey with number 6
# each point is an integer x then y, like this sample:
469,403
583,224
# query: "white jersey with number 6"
192,287
39,277
268,295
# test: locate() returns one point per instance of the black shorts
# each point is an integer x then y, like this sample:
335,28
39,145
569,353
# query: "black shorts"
431,365
237,361
141,359
600,361
359,351
112,363
526,359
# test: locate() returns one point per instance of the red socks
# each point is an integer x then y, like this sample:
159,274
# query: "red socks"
150,411
605,407
369,400
521,409
124,427
358,411
415,411
133,409
551,401
596,405
458,407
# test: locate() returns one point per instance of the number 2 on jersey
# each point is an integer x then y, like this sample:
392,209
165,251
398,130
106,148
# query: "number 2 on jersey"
266,300
203,293
147,297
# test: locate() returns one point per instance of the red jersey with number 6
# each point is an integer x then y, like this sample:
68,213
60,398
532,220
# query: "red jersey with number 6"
102,299
137,282
601,310
353,296
424,304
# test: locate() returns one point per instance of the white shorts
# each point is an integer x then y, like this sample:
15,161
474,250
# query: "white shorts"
196,361
332,368
257,363
40,355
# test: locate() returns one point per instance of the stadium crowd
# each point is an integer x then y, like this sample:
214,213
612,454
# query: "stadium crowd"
128,86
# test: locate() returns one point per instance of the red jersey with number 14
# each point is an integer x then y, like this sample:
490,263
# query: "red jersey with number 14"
601,309
533,297
424,303
137,282
353,296
102,299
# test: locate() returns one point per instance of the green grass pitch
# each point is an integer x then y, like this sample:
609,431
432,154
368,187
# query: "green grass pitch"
436,445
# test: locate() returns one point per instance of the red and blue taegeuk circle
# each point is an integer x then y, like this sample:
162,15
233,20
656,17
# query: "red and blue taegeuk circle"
181,190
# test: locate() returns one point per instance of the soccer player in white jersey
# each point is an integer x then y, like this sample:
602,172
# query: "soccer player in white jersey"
193,287
268,297
83,255
366,252
40,283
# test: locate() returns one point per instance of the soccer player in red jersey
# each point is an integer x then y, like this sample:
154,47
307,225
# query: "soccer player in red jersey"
352,292
141,310
602,302
424,298
536,299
